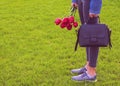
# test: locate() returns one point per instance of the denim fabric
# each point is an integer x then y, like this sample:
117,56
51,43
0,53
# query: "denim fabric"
95,5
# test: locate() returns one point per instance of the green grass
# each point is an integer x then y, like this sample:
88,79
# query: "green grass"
35,52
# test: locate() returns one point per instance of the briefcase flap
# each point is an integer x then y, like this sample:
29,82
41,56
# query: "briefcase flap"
93,31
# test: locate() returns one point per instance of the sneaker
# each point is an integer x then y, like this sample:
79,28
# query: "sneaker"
84,77
79,71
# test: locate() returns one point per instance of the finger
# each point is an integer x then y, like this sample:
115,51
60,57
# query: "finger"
91,15
95,15
74,5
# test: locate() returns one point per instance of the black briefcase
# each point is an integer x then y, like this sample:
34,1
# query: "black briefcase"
93,35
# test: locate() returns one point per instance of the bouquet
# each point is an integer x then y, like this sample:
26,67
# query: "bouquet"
68,22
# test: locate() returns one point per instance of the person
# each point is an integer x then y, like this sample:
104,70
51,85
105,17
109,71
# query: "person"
89,11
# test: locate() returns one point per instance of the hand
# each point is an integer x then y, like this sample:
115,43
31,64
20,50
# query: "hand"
74,5
92,15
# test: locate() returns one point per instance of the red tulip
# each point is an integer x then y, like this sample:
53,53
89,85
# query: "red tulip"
62,25
71,19
75,24
69,26
58,21
65,20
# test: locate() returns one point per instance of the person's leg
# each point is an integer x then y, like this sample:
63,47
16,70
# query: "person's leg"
91,67
83,9
92,53
80,10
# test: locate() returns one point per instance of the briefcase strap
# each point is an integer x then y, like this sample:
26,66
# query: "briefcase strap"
77,41
110,44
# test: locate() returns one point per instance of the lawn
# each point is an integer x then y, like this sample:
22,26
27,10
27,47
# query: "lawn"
35,52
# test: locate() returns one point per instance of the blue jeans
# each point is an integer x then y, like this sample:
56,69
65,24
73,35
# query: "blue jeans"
83,8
